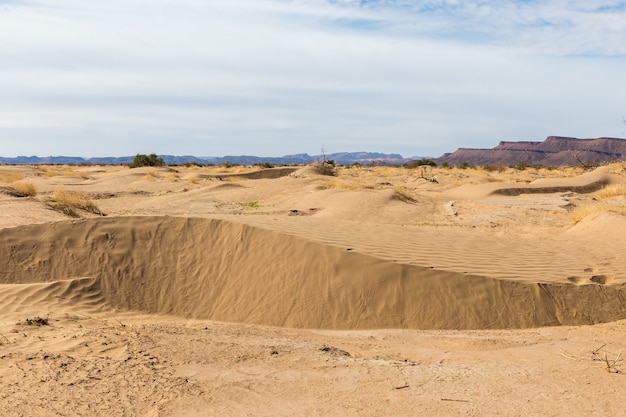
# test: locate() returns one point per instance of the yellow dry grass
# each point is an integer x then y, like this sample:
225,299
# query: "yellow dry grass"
151,175
612,190
68,202
342,184
581,212
26,189
50,171
10,177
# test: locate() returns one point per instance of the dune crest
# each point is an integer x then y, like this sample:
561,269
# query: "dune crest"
225,271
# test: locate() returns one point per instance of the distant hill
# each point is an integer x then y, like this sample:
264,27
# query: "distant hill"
555,150
343,158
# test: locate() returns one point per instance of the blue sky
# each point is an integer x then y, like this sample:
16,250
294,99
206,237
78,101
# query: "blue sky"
275,77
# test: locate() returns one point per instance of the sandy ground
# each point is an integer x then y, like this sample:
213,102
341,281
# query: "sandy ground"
202,291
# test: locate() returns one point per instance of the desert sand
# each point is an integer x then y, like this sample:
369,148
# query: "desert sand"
206,291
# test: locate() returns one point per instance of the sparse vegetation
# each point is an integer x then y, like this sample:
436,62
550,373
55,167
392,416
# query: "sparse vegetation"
11,177
420,163
143,160
494,168
250,204
340,184
21,189
151,175
610,360
612,190
38,321
581,212
26,188
326,166
68,202
173,176
610,364
402,195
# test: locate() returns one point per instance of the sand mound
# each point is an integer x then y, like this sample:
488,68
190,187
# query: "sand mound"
583,184
214,269
605,227
270,173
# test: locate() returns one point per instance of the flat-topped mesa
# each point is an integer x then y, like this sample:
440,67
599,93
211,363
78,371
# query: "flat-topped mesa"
555,150
506,145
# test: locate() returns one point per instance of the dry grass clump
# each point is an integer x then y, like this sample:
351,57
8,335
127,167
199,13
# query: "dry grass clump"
62,170
151,175
10,177
68,202
403,195
612,190
341,184
494,168
611,363
25,189
584,211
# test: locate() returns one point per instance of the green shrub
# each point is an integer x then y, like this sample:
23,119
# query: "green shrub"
420,162
143,160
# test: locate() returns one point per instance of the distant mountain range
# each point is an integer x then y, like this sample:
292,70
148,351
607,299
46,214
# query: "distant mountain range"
555,150
343,158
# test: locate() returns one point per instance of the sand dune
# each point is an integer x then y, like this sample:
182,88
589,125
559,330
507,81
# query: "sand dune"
219,270
214,291
586,183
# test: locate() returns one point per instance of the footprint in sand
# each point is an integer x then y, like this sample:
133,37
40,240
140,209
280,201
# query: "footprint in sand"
576,280
601,279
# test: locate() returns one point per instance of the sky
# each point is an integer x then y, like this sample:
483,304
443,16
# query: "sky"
279,77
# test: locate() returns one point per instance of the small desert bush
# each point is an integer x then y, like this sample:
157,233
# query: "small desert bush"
420,163
143,160
327,167
25,189
68,202
612,190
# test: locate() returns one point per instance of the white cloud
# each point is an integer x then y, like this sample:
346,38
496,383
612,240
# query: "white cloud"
275,77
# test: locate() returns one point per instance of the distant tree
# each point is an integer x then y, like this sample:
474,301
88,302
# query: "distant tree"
143,160
420,162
